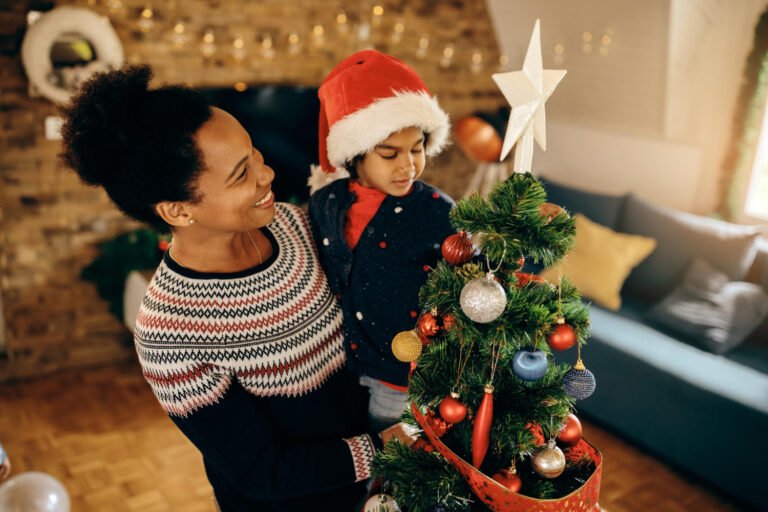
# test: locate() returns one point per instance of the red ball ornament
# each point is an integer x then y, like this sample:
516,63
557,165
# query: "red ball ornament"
458,249
438,425
451,410
163,245
549,211
562,337
538,435
509,479
523,278
448,321
428,325
570,433
422,444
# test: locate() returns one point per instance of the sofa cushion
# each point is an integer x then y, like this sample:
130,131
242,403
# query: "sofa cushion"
680,237
600,261
709,310
601,208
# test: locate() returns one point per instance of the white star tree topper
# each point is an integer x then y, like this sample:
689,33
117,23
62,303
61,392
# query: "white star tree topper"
526,91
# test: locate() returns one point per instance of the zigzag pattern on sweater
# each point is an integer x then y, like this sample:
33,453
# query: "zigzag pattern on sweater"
277,331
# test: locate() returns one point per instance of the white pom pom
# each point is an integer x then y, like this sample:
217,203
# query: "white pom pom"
319,178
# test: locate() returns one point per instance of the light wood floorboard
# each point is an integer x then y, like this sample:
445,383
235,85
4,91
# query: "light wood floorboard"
102,434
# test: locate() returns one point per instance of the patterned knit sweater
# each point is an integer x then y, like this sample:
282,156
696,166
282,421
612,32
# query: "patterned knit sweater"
251,367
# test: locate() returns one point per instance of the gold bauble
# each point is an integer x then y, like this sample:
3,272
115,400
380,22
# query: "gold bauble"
549,461
406,346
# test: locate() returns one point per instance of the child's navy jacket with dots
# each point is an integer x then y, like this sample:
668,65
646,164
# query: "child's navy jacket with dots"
378,282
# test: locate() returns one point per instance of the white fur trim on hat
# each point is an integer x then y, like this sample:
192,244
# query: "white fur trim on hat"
361,131
319,178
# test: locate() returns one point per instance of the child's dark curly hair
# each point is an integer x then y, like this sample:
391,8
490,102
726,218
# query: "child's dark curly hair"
136,143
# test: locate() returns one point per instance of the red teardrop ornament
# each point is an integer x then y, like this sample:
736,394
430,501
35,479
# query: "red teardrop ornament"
481,432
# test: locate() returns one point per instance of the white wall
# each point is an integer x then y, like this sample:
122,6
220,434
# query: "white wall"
664,92
615,163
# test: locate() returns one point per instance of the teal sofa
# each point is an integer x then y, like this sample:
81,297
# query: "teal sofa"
700,408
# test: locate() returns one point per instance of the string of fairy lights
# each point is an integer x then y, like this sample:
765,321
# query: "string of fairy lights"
367,26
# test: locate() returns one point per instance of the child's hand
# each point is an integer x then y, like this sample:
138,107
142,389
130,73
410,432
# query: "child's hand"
406,434
5,469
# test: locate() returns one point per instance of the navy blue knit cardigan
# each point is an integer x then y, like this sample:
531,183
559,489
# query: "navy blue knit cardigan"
378,283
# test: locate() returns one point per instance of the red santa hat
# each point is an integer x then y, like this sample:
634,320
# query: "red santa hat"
368,97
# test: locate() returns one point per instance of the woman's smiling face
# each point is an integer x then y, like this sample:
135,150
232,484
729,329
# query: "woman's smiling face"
236,185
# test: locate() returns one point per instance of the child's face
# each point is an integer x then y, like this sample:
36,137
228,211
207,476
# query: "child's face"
395,163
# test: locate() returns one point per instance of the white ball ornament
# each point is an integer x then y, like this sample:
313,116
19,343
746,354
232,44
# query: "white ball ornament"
381,503
482,299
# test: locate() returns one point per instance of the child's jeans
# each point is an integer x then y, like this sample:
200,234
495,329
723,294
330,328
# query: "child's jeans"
385,406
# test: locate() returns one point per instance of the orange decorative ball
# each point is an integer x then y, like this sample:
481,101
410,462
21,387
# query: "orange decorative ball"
571,431
478,139
562,337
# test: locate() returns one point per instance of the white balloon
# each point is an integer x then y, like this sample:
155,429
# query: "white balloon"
33,492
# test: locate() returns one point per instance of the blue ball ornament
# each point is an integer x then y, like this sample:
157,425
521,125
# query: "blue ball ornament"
579,382
529,365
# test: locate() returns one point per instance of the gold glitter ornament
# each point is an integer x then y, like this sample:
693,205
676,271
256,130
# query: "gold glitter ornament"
406,346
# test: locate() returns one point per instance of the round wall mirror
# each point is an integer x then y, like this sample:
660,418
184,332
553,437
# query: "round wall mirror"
65,46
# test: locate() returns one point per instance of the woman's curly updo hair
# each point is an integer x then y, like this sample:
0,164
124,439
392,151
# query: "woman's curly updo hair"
135,142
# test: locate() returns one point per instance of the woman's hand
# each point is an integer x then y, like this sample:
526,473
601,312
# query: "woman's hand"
406,434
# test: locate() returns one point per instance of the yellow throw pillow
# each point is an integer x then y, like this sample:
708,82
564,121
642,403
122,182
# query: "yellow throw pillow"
600,261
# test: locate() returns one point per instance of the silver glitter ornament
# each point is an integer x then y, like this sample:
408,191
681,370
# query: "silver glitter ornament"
482,299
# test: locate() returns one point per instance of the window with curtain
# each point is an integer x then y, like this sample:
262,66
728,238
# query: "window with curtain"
745,170
756,204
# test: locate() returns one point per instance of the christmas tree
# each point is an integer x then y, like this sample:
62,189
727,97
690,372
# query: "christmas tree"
492,408
485,382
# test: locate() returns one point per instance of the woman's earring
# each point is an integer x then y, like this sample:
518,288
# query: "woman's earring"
191,221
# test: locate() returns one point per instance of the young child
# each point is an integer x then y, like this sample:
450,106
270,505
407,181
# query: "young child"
379,230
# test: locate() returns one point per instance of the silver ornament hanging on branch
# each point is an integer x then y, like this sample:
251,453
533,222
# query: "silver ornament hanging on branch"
549,461
381,503
482,299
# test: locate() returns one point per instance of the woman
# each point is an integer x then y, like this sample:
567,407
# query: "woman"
238,334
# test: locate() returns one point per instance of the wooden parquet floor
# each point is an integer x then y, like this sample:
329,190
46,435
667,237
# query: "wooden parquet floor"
102,434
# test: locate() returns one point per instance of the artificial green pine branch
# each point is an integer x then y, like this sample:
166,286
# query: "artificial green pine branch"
422,479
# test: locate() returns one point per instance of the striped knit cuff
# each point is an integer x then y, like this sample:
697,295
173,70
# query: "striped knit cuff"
363,450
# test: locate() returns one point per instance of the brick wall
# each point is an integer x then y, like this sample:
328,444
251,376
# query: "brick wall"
51,224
